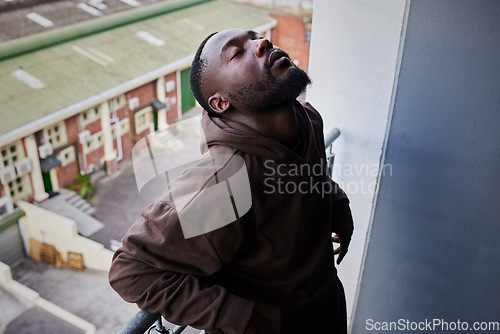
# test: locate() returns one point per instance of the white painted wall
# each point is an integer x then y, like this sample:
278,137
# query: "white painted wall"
49,227
353,64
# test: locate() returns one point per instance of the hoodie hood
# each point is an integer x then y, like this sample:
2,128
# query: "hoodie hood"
219,131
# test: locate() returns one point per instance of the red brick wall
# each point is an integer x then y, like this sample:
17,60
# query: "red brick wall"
145,93
95,157
72,128
290,36
94,127
66,174
127,137
172,115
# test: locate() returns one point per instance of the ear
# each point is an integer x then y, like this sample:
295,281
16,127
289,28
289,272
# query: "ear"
218,103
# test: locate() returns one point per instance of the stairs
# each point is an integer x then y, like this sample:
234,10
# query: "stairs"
79,203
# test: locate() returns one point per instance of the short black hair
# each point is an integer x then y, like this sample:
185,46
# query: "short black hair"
197,76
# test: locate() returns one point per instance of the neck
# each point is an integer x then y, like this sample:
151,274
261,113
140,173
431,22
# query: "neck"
279,124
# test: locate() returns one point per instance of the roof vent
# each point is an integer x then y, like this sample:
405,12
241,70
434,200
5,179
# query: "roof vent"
28,79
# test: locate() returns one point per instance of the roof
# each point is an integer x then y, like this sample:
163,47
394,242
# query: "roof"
42,82
15,21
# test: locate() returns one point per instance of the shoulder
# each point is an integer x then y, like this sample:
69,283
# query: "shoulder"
313,114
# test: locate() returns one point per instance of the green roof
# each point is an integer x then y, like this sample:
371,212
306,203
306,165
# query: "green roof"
83,67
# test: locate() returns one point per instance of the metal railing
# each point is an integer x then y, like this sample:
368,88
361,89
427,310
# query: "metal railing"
144,321
330,156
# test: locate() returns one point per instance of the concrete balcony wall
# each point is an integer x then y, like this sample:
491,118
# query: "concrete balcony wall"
353,65
433,248
413,86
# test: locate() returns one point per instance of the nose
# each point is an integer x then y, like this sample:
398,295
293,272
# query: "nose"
263,45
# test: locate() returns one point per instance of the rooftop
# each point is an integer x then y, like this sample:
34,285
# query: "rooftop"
38,83
16,21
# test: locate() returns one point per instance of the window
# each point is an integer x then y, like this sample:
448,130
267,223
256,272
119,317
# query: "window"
18,187
133,103
90,116
100,139
117,103
11,154
96,141
56,135
124,127
143,120
67,156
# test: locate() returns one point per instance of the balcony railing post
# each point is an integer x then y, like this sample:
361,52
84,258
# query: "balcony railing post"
160,329
330,156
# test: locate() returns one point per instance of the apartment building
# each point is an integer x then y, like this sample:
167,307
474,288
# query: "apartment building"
76,99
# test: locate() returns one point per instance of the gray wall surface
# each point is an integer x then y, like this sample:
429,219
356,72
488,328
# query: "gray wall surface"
434,250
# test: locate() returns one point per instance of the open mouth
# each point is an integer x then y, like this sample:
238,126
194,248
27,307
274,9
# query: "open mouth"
278,56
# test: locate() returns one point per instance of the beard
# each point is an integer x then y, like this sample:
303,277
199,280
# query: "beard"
270,92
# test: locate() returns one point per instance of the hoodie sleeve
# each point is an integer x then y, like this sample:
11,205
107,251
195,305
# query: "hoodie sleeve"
342,222
162,272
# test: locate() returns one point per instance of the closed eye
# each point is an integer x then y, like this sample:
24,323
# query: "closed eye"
240,52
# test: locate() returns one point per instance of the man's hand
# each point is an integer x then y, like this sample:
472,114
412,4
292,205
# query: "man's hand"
341,251
342,226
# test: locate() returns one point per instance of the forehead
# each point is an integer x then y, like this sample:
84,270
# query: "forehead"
216,43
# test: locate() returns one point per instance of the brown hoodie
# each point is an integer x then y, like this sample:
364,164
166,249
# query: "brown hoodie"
274,261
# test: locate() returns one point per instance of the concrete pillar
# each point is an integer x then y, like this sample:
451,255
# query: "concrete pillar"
161,96
54,180
109,152
36,171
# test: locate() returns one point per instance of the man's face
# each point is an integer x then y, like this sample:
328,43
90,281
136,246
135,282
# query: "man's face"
250,72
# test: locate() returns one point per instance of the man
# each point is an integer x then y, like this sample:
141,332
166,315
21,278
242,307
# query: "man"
272,269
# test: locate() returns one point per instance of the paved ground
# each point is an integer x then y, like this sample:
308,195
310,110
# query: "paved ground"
86,294
16,308
35,320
